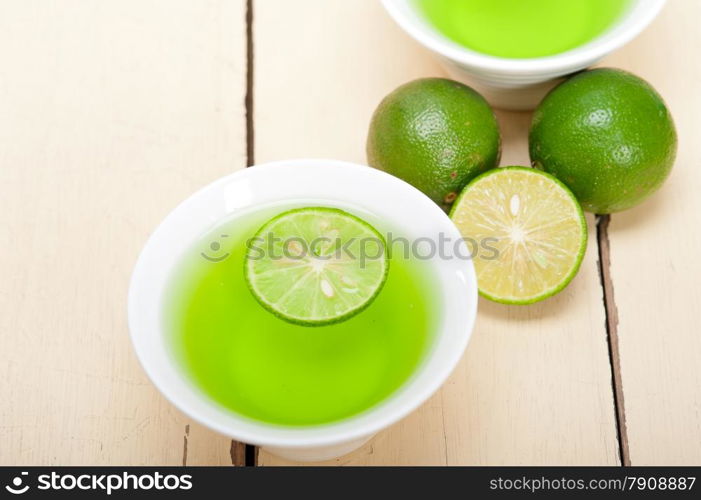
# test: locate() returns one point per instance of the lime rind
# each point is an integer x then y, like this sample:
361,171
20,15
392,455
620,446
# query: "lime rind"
319,285
578,257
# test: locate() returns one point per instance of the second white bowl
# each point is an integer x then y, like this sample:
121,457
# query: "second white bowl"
519,83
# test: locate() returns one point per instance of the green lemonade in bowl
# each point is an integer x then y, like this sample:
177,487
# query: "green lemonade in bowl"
521,29
254,363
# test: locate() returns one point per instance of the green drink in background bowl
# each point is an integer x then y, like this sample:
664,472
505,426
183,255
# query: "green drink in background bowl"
513,51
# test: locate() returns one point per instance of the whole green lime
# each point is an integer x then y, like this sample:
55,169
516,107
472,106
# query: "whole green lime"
436,134
608,136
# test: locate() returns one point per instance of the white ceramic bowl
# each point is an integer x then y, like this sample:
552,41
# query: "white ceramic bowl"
519,83
323,181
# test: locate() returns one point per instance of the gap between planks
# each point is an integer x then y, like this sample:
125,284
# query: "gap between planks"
246,454
185,436
602,225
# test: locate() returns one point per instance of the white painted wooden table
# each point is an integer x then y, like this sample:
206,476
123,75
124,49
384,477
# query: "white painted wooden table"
112,112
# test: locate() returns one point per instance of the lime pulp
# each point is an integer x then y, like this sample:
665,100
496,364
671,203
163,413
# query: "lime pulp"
534,224
316,265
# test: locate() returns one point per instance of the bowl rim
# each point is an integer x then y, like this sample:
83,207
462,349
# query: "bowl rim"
242,428
639,15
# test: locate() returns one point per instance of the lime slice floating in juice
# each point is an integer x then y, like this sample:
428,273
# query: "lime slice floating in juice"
530,231
315,266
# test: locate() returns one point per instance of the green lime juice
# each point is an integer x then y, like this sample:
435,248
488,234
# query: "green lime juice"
260,366
522,28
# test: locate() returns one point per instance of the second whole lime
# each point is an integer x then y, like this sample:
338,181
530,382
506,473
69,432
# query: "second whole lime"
436,134
606,134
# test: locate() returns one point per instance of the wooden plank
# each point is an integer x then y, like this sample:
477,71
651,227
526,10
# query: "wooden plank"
111,113
655,259
535,385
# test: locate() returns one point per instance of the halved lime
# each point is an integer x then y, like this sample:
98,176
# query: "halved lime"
529,230
316,266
